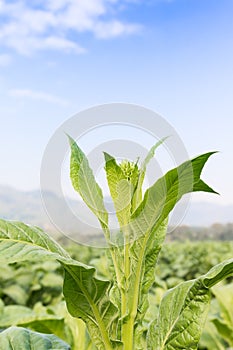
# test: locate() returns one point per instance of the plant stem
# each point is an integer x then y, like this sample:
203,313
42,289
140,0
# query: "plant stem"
128,326
113,256
127,316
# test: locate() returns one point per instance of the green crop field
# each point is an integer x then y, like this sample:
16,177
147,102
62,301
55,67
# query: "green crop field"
31,293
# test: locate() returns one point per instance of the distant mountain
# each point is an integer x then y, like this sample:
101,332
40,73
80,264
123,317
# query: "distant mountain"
28,207
206,214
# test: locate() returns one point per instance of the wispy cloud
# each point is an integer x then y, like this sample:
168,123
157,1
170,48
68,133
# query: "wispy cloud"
27,26
37,95
105,30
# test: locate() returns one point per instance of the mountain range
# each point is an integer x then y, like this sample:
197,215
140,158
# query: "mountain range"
28,207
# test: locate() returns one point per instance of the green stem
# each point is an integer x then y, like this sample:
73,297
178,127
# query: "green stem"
113,256
127,316
128,328
136,286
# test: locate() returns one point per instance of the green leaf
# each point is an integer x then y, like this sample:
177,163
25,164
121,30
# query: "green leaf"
145,228
224,296
18,338
16,293
224,330
15,315
77,336
37,319
210,339
151,153
120,189
84,183
161,198
88,298
19,242
183,311
137,197
224,322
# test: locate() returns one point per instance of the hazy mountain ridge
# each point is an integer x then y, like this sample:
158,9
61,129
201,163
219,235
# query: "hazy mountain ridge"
28,207
206,214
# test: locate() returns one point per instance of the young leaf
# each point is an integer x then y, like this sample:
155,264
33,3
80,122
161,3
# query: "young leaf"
137,197
85,184
120,189
18,338
183,311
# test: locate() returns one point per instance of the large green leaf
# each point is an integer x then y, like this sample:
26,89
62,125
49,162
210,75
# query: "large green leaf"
183,311
19,242
84,183
161,198
88,298
18,338
37,319
17,315
145,227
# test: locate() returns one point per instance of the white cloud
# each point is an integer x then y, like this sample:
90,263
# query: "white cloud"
37,95
105,30
27,26
5,60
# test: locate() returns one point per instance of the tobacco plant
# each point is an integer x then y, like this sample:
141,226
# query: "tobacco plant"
114,311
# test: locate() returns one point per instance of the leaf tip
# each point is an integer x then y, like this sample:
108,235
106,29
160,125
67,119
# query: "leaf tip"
107,157
71,140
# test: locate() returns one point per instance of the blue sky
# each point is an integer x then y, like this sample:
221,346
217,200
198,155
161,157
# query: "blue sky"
174,57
